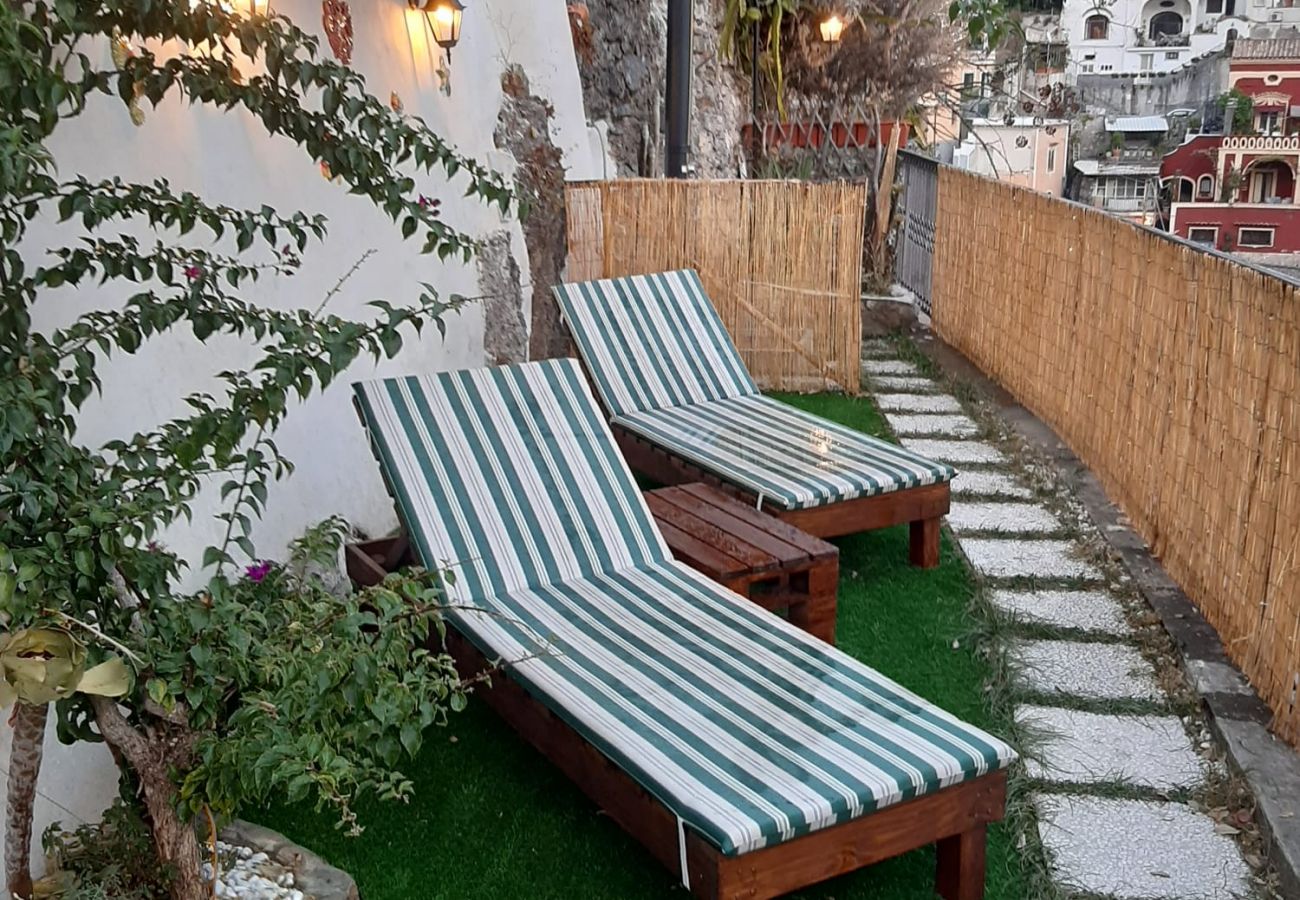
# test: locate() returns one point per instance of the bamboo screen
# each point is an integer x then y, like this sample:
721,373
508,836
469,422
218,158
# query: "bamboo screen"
781,260
1174,374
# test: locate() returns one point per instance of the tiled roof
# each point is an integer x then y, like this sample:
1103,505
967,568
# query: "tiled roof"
1266,48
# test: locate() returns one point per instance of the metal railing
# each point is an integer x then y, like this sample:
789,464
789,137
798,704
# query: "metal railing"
917,201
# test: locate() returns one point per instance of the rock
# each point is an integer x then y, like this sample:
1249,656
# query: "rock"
311,876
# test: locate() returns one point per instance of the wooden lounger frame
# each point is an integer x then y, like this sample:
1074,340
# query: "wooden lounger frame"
919,507
954,817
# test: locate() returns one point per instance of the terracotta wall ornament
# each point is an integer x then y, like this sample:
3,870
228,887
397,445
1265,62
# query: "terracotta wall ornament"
336,16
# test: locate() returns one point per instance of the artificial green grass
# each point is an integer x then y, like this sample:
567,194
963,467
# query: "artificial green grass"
492,819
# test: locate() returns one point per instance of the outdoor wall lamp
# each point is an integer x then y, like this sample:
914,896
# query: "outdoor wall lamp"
444,20
832,29
259,7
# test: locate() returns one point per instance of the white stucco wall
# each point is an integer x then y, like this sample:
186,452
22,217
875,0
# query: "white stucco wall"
228,159
992,149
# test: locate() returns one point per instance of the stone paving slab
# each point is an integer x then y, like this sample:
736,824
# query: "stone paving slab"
889,367
1086,670
967,452
988,484
1009,558
951,425
877,348
1090,748
918,403
1008,518
1093,611
1139,849
905,384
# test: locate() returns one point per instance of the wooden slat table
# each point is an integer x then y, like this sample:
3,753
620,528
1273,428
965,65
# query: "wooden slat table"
756,555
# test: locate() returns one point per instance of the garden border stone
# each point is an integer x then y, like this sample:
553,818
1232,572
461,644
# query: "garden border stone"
312,875
1236,713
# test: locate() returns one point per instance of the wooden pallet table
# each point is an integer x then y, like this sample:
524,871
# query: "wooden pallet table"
756,555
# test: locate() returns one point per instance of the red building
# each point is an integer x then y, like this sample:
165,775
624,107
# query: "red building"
1237,192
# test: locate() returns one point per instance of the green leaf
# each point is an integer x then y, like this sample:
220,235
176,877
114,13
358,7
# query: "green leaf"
85,561
156,688
8,584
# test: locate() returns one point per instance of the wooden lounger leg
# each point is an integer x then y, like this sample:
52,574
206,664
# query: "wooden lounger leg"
961,865
816,615
924,547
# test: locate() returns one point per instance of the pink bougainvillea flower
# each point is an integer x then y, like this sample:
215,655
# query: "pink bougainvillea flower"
193,273
258,571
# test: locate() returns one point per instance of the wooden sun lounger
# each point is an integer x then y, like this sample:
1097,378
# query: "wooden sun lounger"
684,408
955,818
767,761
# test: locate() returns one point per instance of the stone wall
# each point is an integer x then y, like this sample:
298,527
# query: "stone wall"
623,76
1126,95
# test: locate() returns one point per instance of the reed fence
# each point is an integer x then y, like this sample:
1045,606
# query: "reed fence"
1173,373
781,260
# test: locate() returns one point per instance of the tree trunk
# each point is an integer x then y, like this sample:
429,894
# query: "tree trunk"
884,203
153,758
24,769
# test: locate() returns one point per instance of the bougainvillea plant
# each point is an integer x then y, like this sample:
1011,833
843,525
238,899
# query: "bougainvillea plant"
251,687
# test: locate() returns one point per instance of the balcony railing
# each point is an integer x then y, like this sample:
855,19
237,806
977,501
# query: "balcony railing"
1264,143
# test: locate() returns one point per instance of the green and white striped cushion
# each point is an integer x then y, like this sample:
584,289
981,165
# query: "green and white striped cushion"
653,341
791,458
748,729
511,473
666,368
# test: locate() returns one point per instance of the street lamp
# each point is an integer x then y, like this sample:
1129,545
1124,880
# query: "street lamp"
832,29
444,19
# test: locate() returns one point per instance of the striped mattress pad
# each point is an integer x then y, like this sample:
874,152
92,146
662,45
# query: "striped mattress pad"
666,369
746,728
790,458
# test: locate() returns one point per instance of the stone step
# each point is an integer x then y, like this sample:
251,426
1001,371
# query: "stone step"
1091,611
939,426
974,483
889,367
918,403
1009,558
906,384
1084,670
878,348
1090,748
956,452
1138,849
1007,518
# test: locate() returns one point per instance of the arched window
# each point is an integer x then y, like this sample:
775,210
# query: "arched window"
1205,186
1165,23
1096,28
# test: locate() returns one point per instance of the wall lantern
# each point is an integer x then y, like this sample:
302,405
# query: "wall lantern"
832,29
259,7
444,20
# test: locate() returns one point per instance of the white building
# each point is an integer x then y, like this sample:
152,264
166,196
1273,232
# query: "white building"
1148,37
1029,152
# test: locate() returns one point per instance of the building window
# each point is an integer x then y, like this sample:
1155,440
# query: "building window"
1214,7
1171,54
1205,186
1255,237
1263,185
1147,59
1086,67
1268,123
1096,28
1124,188
1203,235
1051,159
1165,23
